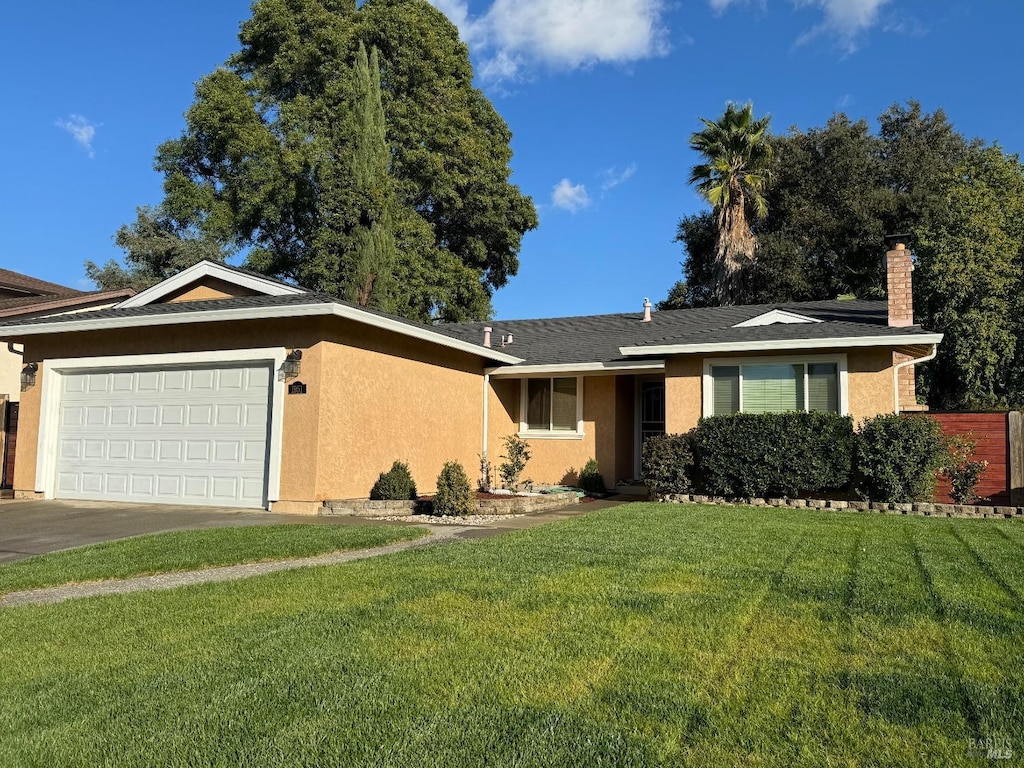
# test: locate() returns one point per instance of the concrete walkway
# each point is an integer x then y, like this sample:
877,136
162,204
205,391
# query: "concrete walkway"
439,534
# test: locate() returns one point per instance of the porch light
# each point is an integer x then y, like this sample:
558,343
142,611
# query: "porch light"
292,364
28,375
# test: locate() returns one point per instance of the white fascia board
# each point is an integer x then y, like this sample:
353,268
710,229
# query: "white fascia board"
208,269
781,345
622,366
86,323
776,316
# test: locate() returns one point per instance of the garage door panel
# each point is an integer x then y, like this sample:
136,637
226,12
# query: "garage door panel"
177,435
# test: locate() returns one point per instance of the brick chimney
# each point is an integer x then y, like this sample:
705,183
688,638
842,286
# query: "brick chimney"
898,266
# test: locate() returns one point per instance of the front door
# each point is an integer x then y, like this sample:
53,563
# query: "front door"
650,414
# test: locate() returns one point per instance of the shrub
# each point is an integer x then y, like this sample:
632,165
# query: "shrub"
452,496
517,453
897,457
960,469
395,484
591,480
774,454
667,463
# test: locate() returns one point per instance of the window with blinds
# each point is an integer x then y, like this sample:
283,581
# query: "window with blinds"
551,404
774,388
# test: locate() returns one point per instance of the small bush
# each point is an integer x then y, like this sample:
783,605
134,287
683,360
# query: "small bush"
394,485
517,453
591,480
897,457
960,468
667,463
774,454
452,498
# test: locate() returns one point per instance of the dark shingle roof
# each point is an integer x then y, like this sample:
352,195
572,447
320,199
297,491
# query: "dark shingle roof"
597,338
587,339
32,285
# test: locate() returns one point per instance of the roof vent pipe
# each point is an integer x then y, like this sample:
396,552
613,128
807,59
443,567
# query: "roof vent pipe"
487,336
647,310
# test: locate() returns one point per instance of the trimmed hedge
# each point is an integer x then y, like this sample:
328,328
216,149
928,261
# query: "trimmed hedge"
897,457
774,454
394,485
667,463
453,497
591,479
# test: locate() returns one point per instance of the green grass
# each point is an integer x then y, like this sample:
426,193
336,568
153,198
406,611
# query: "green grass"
186,550
637,636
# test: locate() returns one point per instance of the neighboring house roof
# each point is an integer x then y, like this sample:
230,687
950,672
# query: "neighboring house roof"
34,305
620,338
15,281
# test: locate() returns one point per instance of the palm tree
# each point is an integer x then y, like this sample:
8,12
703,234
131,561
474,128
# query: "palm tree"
738,164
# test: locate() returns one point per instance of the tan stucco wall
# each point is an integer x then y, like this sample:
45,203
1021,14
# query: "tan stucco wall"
870,384
556,460
301,413
389,397
206,288
10,373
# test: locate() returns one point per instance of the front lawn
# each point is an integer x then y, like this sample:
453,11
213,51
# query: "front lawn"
187,550
640,635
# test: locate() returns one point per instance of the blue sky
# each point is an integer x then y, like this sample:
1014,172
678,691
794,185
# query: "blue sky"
601,96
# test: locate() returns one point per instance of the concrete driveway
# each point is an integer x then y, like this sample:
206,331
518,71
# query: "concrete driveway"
35,527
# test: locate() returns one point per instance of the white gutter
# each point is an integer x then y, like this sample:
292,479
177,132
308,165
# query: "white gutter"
619,366
896,373
782,344
85,323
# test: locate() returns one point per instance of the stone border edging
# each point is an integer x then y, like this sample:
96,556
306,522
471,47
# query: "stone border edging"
512,505
925,509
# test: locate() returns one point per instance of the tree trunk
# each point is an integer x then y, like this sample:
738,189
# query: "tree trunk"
734,251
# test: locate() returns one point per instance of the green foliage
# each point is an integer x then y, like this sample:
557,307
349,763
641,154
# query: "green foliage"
453,496
155,248
773,454
283,155
590,479
517,453
667,463
961,469
897,457
394,485
737,155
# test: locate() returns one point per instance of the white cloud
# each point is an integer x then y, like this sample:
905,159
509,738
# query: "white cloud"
81,130
569,197
844,20
511,35
613,177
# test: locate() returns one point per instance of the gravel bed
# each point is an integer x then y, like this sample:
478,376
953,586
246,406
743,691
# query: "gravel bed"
440,520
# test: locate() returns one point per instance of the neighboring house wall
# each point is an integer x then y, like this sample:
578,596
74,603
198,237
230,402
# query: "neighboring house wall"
10,372
205,289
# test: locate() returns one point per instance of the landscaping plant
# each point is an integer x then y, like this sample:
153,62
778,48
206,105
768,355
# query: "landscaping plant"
961,469
517,453
453,497
667,463
897,457
774,454
394,485
591,479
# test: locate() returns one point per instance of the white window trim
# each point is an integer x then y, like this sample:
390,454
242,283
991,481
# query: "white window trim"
707,385
53,375
550,434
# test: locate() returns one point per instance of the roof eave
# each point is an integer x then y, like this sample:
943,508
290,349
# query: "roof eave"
775,345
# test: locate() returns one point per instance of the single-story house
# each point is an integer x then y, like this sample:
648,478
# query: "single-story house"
222,387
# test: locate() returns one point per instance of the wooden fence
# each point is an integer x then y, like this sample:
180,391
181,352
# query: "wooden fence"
999,439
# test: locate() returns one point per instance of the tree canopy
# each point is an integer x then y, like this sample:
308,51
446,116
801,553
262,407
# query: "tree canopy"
282,159
839,189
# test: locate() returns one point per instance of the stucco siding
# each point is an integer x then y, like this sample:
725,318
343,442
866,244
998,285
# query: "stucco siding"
10,373
388,397
205,289
870,384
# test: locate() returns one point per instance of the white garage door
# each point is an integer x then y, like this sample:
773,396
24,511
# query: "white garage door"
169,435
